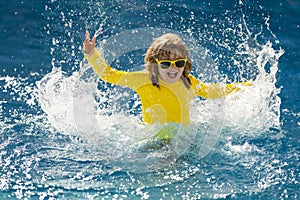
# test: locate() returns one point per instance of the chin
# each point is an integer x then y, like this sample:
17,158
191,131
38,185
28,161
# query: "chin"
173,80
170,80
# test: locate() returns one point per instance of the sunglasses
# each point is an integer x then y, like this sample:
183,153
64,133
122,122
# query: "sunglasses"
166,64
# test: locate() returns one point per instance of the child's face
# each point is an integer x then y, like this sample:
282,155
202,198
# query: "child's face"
172,74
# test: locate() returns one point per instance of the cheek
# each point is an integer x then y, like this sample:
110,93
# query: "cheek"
181,71
161,72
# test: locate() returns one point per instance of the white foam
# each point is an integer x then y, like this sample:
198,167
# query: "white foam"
75,106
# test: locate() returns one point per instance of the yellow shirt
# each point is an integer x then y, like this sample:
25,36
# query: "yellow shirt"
170,102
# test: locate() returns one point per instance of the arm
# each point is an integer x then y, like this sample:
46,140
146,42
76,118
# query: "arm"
213,91
101,68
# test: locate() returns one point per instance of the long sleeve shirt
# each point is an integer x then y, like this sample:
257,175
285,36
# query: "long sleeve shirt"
167,103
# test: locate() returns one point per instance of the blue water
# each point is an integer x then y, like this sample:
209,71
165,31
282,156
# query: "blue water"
67,135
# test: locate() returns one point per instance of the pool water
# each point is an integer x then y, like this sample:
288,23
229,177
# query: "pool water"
65,134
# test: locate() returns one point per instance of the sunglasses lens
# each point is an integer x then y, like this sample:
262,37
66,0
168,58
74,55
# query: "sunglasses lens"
165,65
180,63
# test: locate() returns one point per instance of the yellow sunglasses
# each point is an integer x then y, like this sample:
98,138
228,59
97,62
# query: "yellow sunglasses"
166,64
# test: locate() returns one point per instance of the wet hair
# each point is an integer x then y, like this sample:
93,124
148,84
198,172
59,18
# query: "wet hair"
162,47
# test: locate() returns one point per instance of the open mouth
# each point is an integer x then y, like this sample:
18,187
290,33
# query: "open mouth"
172,74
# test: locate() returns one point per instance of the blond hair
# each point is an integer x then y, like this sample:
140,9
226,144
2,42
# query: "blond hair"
163,46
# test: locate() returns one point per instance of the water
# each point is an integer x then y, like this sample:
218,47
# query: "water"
65,134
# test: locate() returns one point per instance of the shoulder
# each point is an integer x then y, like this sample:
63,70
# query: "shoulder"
135,79
139,74
196,84
194,80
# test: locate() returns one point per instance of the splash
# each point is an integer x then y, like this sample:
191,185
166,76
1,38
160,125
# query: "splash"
54,96
86,133
83,105
90,123
260,103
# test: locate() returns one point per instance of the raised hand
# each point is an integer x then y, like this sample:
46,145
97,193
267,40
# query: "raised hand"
88,45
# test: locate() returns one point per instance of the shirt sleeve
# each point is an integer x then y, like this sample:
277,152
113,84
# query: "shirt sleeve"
102,69
132,80
213,91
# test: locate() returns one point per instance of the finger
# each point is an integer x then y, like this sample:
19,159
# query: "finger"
86,40
87,36
93,40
